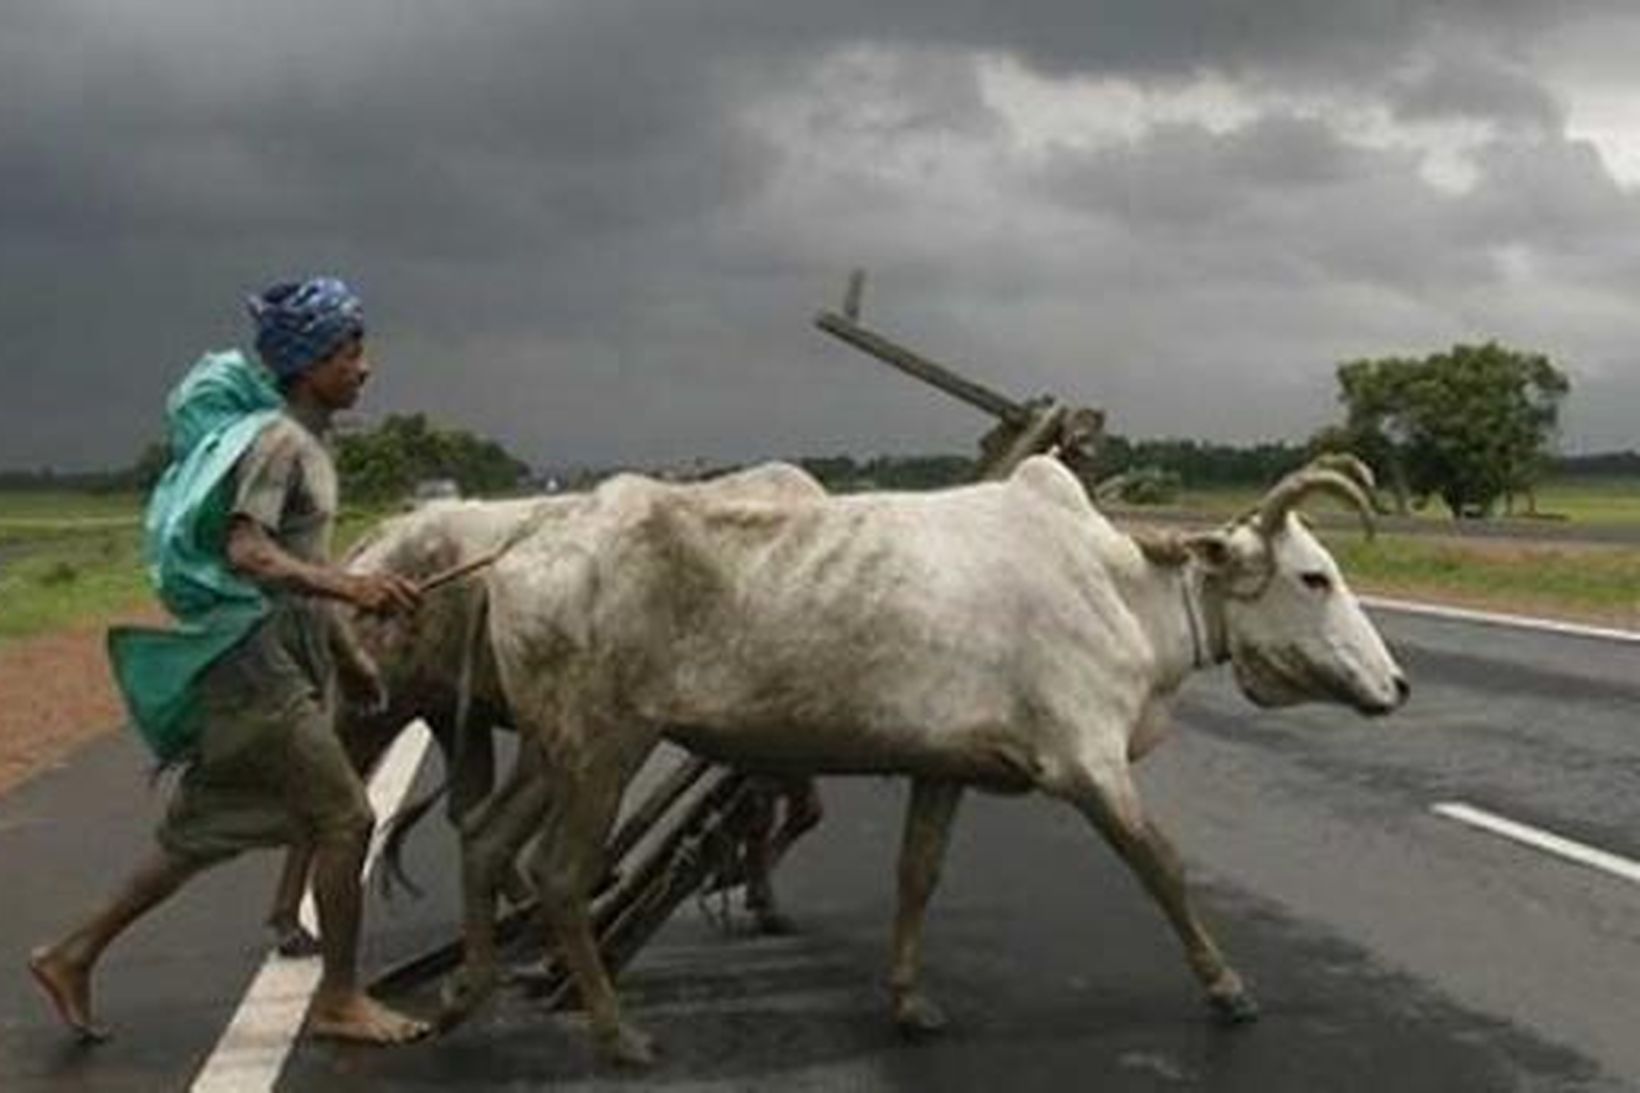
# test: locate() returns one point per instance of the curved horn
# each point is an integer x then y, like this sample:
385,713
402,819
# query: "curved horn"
1346,463
1271,513
1110,489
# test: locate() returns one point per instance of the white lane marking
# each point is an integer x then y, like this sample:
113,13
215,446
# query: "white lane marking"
1582,853
252,1050
1495,618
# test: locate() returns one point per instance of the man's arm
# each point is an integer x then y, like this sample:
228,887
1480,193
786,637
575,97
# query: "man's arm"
253,553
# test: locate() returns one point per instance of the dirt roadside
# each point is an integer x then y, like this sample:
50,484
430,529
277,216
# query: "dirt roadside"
56,694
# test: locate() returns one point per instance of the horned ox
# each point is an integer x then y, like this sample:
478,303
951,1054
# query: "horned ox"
433,669
1002,635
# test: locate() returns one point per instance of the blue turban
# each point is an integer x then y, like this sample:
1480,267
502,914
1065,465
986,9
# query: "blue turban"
300,323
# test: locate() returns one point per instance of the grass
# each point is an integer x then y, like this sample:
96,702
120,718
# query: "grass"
71,580
1593,500
1561,579
1599,584
76,560
68,559
28,508
1607,502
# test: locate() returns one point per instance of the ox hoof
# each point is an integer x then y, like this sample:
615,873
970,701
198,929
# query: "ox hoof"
917,1016
515,888
1235,1008
460,995
626,1046
772,923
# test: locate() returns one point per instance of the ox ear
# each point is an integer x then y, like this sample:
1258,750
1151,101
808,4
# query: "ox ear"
1212,551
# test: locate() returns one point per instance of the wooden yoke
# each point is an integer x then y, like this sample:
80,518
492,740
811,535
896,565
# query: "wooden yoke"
1023,428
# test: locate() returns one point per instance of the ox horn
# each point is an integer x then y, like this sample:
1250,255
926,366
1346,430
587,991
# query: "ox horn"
1347,464
1341,475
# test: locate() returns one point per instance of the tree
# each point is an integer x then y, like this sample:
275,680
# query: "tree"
1471,425
386,462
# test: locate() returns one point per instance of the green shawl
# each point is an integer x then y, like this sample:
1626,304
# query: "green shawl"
213,416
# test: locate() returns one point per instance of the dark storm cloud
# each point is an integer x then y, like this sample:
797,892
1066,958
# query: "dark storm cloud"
597,230
1484,88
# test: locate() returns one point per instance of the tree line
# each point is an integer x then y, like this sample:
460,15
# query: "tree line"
1471,426
382,463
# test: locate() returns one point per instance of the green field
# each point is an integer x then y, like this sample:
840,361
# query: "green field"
1600,584
69,559
1608,502
1593,500
31,508
76,559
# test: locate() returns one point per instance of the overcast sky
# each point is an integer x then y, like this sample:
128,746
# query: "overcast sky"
599,231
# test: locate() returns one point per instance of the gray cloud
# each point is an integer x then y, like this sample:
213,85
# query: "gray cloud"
1479,87
598,230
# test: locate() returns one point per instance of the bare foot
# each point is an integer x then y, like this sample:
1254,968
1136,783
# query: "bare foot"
360,1018
68,985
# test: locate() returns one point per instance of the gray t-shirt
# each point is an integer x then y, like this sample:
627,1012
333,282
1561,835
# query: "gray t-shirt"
286,482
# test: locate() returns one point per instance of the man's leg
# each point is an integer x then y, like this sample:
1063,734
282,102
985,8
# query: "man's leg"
328,796
63,969
341,1008
291,938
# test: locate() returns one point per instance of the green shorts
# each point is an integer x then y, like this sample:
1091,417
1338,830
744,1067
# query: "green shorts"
271,770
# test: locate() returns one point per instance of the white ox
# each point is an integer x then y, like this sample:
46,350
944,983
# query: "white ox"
434,669
1002,635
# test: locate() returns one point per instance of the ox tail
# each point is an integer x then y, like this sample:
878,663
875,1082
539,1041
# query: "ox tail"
395,831
398,827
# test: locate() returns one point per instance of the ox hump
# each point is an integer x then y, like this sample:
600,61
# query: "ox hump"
1049,479
772,481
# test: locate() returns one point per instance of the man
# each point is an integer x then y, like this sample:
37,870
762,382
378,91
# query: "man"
266,768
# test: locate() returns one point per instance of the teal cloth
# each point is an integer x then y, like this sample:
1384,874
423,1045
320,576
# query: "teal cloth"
213,414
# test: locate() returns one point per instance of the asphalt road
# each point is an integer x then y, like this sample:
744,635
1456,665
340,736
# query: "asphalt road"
1391,947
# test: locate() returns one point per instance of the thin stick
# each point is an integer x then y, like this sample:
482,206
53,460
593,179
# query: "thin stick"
472,565
456,572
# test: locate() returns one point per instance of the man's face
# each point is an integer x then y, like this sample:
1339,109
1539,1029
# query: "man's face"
336,380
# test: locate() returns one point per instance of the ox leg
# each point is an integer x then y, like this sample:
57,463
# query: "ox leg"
1116,811
365,737
766,844
472,771
472,779
760,854
570,862
922,851
803,812
491,838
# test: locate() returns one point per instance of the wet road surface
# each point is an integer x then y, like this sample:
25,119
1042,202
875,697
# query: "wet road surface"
1391,947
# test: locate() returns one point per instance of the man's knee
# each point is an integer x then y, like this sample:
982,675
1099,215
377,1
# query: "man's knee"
348,819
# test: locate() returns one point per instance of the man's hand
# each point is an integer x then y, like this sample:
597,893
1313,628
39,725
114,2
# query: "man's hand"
382,593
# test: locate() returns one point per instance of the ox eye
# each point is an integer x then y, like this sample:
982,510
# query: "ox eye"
1316,581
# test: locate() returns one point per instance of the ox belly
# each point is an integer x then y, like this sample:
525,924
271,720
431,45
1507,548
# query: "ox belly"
987,757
